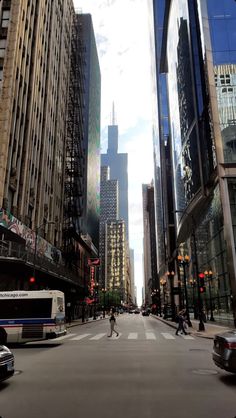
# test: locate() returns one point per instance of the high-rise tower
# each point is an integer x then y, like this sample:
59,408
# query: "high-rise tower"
118,163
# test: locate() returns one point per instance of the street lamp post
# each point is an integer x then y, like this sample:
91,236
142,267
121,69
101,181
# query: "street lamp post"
171,275
193,285
184,261
201,326
209,275
104,308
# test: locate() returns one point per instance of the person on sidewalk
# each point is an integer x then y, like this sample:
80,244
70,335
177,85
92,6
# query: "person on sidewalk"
112,320
181,321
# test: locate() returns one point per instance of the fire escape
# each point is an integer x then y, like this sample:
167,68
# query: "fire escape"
75,159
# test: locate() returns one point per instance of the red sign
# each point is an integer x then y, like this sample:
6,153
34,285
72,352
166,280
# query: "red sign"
94,261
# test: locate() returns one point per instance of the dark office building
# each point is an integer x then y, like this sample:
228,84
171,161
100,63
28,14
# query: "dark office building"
195,47
91,114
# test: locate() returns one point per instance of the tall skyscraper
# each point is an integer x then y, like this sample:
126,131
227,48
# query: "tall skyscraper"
91,113
194,44
118,163
49,141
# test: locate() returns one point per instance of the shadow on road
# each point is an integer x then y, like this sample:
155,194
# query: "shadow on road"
229,379
34,345
4,385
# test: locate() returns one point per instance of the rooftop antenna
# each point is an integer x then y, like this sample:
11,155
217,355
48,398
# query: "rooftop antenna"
113,121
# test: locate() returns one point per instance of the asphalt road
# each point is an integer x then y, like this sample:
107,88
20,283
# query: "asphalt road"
146,372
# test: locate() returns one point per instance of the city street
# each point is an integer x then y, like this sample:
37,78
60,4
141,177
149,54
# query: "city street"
146,372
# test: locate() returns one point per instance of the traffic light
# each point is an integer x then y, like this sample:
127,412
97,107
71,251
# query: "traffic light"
32,282
202,286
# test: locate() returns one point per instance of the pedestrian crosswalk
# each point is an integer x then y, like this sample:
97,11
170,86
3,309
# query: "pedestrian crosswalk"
129,336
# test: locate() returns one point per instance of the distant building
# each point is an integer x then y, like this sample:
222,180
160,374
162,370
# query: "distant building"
118,163
116,258
109,212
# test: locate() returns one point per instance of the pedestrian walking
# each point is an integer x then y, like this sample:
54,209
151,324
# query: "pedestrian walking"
112,325
181,322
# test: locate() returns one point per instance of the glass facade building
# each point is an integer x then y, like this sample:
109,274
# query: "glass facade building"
198,57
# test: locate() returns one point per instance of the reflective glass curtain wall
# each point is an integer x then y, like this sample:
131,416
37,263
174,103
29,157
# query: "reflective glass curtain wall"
202,130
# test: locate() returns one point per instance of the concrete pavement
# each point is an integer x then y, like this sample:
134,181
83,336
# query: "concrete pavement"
210,329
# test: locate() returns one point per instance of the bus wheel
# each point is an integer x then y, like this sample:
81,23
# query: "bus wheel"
3,336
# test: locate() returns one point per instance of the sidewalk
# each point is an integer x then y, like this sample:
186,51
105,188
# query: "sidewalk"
76,322
210,329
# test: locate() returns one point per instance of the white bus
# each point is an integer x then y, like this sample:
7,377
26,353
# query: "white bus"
31,315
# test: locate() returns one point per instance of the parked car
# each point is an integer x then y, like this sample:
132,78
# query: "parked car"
224,351
6,363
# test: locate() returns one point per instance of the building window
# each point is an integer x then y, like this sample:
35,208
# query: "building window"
5,18
3,43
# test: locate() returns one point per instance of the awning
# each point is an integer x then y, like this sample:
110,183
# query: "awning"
8,235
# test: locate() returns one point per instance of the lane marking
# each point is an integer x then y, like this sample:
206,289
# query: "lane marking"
168,336
64,337
98,336
80,337
133,336
150,336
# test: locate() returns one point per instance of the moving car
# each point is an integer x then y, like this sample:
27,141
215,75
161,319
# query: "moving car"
224,351
146,312
6,363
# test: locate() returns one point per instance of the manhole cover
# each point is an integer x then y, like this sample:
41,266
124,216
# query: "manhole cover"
205,371
16,373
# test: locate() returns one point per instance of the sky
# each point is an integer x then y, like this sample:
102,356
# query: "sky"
122,38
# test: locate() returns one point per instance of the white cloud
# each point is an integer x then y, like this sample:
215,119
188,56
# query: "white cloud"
121,31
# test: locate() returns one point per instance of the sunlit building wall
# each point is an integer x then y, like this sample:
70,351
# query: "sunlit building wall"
35,39
109,212
116,258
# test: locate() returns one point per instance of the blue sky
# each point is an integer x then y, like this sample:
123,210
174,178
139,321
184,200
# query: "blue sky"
122,37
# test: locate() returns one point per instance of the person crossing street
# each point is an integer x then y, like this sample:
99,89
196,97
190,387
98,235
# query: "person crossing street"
112,325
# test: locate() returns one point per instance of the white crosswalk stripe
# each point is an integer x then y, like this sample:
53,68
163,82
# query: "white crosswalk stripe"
133,336
80,337
187,337
150,336
64,337
98,336
168,336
